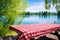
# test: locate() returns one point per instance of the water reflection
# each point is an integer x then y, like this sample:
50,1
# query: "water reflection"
34,19
58,19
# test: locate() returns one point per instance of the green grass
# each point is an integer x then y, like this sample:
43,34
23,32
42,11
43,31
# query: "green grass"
11,33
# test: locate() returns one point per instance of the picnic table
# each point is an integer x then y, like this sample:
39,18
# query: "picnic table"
28,31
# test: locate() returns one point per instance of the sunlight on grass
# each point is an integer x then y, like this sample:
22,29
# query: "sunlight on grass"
11,33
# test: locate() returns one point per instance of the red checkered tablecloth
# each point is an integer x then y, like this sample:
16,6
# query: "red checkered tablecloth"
34,30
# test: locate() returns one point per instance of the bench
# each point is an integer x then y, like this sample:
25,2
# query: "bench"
28,31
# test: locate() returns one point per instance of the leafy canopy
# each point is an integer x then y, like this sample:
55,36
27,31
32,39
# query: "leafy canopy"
9,11
55,3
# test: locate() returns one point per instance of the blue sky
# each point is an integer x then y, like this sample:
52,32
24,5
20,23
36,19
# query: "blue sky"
38,5
34,1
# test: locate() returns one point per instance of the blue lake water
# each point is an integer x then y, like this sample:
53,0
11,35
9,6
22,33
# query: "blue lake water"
35,19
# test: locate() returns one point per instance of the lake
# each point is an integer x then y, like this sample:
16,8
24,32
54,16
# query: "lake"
35,19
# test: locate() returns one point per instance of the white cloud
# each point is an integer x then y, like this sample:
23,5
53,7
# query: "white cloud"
36,7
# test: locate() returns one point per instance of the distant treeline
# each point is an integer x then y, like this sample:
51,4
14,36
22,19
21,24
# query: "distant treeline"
42,13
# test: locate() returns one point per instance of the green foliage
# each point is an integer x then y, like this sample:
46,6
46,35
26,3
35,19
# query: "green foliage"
46,1
9,11
55,3
47,5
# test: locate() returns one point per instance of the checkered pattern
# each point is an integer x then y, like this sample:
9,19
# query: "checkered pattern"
35,30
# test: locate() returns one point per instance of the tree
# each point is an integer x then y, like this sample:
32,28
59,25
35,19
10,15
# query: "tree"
55,3
9,11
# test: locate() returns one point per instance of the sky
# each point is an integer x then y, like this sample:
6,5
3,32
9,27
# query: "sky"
37,6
